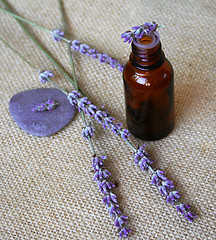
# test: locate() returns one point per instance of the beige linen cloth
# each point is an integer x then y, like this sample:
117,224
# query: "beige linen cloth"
47,187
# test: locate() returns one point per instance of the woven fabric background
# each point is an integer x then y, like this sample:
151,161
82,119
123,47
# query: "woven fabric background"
47,187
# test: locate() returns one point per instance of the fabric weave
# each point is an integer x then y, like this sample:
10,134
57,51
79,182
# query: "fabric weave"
47,187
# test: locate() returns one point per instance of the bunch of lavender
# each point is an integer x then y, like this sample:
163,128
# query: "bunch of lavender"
139,31
141,158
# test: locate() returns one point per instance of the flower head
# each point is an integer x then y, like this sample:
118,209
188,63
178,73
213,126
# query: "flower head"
190,216
120,221
124,232
47,106
57,34
139,31
45,75
87,132
173,197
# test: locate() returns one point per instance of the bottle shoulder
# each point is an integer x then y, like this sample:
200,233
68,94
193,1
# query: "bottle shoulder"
148,78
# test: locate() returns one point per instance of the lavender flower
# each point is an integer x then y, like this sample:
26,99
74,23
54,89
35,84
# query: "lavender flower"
158,178
57,34
173,197
139,31
120,221
109,198
103,58
45,75
47,106
182,208
87,132
190,216
124,232
83,103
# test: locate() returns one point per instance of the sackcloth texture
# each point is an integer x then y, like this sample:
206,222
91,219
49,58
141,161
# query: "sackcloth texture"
47,187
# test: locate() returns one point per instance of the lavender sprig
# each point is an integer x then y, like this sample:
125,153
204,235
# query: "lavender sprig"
91,52
165,186
83,103
58,35
101,175
139,31
110,200
46,106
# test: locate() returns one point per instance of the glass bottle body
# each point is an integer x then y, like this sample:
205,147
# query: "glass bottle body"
149,93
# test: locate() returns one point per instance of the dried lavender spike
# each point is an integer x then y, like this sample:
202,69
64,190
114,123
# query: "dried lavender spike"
83,103
165,186
91,52
109,198
139,31
47,106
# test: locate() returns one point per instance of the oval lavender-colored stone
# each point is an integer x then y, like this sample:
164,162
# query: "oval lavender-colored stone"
42,123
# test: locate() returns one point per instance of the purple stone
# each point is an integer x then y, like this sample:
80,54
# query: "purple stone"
42,123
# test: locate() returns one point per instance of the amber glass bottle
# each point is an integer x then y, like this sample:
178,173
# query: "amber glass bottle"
149,89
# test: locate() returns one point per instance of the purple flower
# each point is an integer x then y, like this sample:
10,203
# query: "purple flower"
91,110
105,186
124,232
40,107
114,210
83,103
87,132
57,34
91,52
124,134
101,174
47,106
190,216
157,177
97,162
110,198
165,187
45,75
120,221
182,208
142,158
51,104
173,196
139,31
128,36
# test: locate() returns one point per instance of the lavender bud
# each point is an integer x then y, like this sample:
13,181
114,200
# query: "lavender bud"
114,210
124,232
173,196
97,162
182,208
120,221
190,216
45,75
57,34
87,132
105,186
75,44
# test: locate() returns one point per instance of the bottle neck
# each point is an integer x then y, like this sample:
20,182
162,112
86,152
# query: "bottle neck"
147,53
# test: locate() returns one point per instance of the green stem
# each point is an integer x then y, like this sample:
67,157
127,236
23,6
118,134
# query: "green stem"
31,23
19,54
131,145
72,67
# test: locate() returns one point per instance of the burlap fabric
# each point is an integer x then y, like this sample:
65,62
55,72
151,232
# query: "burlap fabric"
47,187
